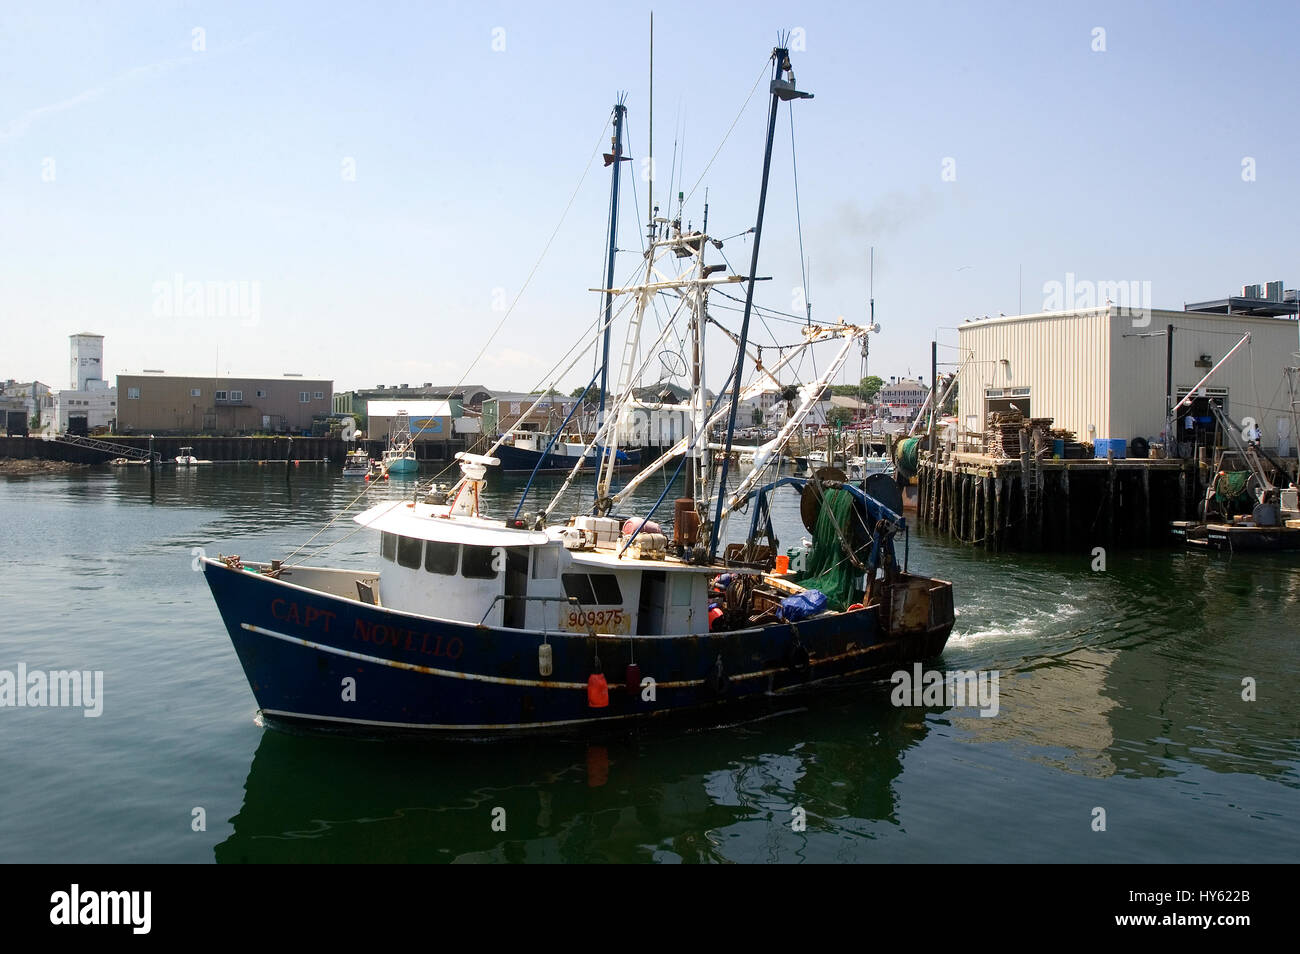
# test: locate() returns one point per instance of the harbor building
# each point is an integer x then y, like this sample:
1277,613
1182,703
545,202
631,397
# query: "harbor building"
908,393
507,411
860,409
155,402
462,396
89,403
22,402
1103,372
426,420
1063,436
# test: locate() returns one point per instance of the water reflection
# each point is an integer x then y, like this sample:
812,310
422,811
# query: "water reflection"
1132,675
711,795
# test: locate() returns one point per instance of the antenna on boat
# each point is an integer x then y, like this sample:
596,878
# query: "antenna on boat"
783,90
614,158
650,148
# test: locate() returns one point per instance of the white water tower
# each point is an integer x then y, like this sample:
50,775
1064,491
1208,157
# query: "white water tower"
87,359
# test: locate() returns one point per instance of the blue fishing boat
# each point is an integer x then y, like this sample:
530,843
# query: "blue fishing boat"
473,624
399,459
524,453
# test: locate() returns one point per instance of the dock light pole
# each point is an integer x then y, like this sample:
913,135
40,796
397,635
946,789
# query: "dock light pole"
782,90
934,376
1171,426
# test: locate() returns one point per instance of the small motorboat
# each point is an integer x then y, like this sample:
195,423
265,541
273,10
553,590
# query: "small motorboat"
357,464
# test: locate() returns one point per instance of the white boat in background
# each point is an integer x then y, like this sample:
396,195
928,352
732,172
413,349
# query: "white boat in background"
357,464
187,459
862,467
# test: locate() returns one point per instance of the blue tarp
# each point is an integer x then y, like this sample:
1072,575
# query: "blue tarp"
808,603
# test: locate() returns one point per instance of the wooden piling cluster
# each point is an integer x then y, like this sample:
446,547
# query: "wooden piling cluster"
1032,503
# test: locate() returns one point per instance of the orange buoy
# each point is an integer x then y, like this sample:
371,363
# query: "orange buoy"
597,691
783,564
855,606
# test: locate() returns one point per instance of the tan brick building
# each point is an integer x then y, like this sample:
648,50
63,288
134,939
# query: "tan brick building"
158,403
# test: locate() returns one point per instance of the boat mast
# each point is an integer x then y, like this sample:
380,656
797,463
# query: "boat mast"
696,474
614,158
782,91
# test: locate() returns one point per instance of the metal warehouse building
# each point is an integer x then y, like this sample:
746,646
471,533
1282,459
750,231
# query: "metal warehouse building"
1102,372
426,420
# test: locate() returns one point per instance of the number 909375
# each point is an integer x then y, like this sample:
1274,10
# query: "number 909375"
601,620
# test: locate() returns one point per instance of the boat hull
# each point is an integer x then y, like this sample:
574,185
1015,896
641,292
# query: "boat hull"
1236,538
521,460
299,648
403,465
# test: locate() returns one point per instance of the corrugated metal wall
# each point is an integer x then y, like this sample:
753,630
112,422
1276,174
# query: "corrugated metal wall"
1253,376
1062,358
1093,368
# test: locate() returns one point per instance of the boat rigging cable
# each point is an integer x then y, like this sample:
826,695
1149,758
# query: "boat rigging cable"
725,136
536,265
798,219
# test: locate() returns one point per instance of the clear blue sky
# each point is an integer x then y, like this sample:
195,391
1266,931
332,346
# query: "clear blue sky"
226,165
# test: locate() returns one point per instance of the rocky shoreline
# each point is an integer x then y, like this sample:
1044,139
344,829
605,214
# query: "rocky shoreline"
12,466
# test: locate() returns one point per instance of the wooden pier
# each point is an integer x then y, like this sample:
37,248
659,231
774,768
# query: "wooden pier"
1054,504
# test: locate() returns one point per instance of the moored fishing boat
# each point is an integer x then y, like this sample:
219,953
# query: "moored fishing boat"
400,458
475,624
356,464
524,452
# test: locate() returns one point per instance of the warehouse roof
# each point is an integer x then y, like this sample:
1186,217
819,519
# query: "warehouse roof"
413,408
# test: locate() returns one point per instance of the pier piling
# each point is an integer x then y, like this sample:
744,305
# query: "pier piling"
1029,502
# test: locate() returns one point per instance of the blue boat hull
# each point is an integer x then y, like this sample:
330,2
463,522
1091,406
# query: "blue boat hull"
316,658
404,465
519,460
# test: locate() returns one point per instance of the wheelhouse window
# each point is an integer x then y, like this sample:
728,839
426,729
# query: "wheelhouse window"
408,552
441,557
593,589
477,563
388,547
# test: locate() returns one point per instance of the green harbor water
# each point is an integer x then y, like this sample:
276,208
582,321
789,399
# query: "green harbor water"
1120,689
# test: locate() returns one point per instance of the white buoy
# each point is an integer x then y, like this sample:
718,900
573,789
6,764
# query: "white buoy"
544,659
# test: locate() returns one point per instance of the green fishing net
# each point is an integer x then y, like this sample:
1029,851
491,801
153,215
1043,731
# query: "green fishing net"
829,570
